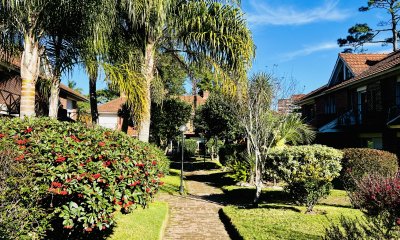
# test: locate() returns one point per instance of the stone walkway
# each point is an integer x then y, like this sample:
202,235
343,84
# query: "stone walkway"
194,216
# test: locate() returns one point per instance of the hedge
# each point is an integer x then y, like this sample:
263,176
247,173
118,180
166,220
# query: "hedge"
83,175
359,162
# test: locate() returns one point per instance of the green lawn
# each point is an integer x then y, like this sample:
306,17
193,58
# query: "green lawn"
279,221
141,224
276,218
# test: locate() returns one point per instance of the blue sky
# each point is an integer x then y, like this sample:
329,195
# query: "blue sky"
295,39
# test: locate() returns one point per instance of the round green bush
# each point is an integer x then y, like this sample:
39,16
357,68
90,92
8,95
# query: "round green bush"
190,147
359,162
84,175
307,170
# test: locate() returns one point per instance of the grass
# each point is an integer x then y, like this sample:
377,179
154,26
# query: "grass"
141,223
172,182
277,218
281,221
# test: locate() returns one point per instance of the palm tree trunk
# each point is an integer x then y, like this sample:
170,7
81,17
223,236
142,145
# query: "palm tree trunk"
93,95
30,63
54,95
148,72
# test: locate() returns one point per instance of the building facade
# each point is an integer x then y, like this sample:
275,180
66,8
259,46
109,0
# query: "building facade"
360,104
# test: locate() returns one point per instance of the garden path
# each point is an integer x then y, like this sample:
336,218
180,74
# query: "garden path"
195,216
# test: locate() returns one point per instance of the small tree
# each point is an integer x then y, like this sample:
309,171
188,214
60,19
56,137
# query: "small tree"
166,119
263,127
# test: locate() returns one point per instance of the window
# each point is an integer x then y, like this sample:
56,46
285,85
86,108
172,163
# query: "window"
398,94
330,105
361,103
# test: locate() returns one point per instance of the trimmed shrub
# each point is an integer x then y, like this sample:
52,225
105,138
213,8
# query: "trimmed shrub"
229,153
307,170
83,175
190,148
359,162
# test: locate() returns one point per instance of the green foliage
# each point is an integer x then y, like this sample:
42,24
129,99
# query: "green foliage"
308,171
215,118
359,162
166,119
20,214
213,146
106,95
172,74
87,173
190,147
230,152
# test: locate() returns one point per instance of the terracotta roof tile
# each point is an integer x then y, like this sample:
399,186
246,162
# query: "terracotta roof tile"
391,60
189,99
112,106
358,63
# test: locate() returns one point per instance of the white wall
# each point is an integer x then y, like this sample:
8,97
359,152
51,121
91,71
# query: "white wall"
108,120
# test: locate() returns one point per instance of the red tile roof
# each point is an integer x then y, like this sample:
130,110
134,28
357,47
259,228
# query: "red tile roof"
189,99
391,60
358,63
112,106
364,66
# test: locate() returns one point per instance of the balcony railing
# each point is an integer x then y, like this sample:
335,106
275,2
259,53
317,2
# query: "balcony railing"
10,102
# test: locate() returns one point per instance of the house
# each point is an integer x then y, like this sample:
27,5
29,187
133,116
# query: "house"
287,105
195,102
111,116
10,94
360,104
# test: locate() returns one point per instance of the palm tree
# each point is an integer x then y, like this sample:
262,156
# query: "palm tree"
25,22
199,30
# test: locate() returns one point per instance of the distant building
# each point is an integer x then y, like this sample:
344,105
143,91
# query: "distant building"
10,94
288,105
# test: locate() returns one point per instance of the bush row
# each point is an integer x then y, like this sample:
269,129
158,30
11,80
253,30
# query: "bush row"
78,176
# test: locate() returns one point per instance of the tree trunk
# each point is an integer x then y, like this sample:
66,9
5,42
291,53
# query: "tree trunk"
54,97
93,96
148,72
257,178
30,63
394,31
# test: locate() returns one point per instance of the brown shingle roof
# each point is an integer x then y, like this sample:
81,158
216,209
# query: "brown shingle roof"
358,63
112,106
73,93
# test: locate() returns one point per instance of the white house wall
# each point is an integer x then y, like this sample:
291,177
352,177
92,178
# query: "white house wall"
108,120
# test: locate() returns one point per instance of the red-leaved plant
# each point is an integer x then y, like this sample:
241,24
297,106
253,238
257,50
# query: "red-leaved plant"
85,174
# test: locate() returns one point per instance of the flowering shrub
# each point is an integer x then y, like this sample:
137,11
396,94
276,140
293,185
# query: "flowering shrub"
308,171
88,173
359,162
379,197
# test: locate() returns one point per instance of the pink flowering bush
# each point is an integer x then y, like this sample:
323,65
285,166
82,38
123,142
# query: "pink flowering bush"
84,175
379,197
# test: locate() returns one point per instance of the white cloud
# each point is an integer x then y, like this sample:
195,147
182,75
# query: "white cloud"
309,50
265,14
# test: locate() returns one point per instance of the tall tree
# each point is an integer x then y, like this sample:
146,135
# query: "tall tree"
26,21
173,27
361,34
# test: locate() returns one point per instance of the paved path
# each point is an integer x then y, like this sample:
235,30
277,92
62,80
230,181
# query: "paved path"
194,216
